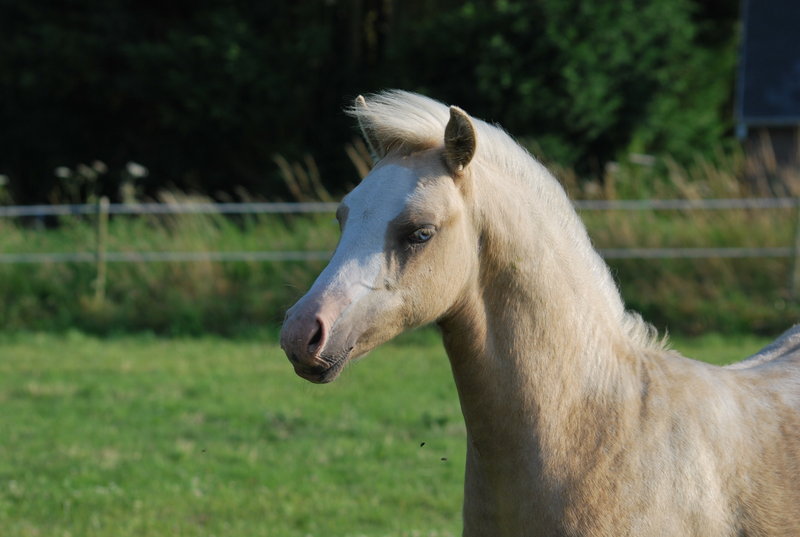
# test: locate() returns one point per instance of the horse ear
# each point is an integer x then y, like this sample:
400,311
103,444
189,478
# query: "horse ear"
459,140
374,147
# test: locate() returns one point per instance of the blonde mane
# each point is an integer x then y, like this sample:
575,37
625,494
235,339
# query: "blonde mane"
402,122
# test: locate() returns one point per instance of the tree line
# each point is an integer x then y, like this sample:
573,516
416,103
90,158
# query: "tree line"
205,94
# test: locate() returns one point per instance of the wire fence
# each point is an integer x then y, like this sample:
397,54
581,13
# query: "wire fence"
104,209
324,207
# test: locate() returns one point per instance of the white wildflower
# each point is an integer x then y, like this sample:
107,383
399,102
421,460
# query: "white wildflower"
136,170
62,172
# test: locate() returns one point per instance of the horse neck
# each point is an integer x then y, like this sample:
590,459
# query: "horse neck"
542,329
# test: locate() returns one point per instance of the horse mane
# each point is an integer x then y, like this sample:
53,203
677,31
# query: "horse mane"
405,122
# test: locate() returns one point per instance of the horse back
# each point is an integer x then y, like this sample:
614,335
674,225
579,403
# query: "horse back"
786,348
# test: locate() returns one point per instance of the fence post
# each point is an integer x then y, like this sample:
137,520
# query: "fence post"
794,284
100,250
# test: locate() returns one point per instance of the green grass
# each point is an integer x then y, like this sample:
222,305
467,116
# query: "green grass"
145,436
719,349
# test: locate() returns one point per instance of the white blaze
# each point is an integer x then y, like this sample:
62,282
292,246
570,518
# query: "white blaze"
356,266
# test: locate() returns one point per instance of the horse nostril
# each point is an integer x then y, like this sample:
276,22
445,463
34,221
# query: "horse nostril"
316,338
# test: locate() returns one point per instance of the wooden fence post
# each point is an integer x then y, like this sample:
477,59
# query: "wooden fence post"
100,250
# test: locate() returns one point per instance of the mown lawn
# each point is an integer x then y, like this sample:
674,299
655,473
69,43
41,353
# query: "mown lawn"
144,436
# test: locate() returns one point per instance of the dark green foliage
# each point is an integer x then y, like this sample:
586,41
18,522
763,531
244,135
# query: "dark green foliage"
205,93
582,82
202,93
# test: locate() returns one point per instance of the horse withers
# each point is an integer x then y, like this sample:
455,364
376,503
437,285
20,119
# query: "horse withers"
579,420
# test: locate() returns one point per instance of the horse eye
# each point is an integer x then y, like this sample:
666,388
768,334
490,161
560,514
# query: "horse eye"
421,235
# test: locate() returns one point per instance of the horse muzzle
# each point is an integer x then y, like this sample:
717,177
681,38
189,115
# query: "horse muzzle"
306,340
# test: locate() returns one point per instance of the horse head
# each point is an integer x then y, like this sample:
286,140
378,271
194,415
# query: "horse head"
405,254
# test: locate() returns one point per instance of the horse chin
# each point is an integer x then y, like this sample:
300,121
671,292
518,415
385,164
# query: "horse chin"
332,362
327,373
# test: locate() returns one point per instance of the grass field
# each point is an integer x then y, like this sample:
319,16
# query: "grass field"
145,436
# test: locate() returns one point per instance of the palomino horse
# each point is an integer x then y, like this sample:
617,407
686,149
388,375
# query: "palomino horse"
579,422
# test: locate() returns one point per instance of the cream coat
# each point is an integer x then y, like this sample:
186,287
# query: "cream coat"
579,422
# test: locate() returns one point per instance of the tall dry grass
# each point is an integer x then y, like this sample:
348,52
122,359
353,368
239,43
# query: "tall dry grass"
181,297
683,296
699,295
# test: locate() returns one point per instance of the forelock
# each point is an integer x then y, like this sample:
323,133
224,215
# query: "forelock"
402,121
405,122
